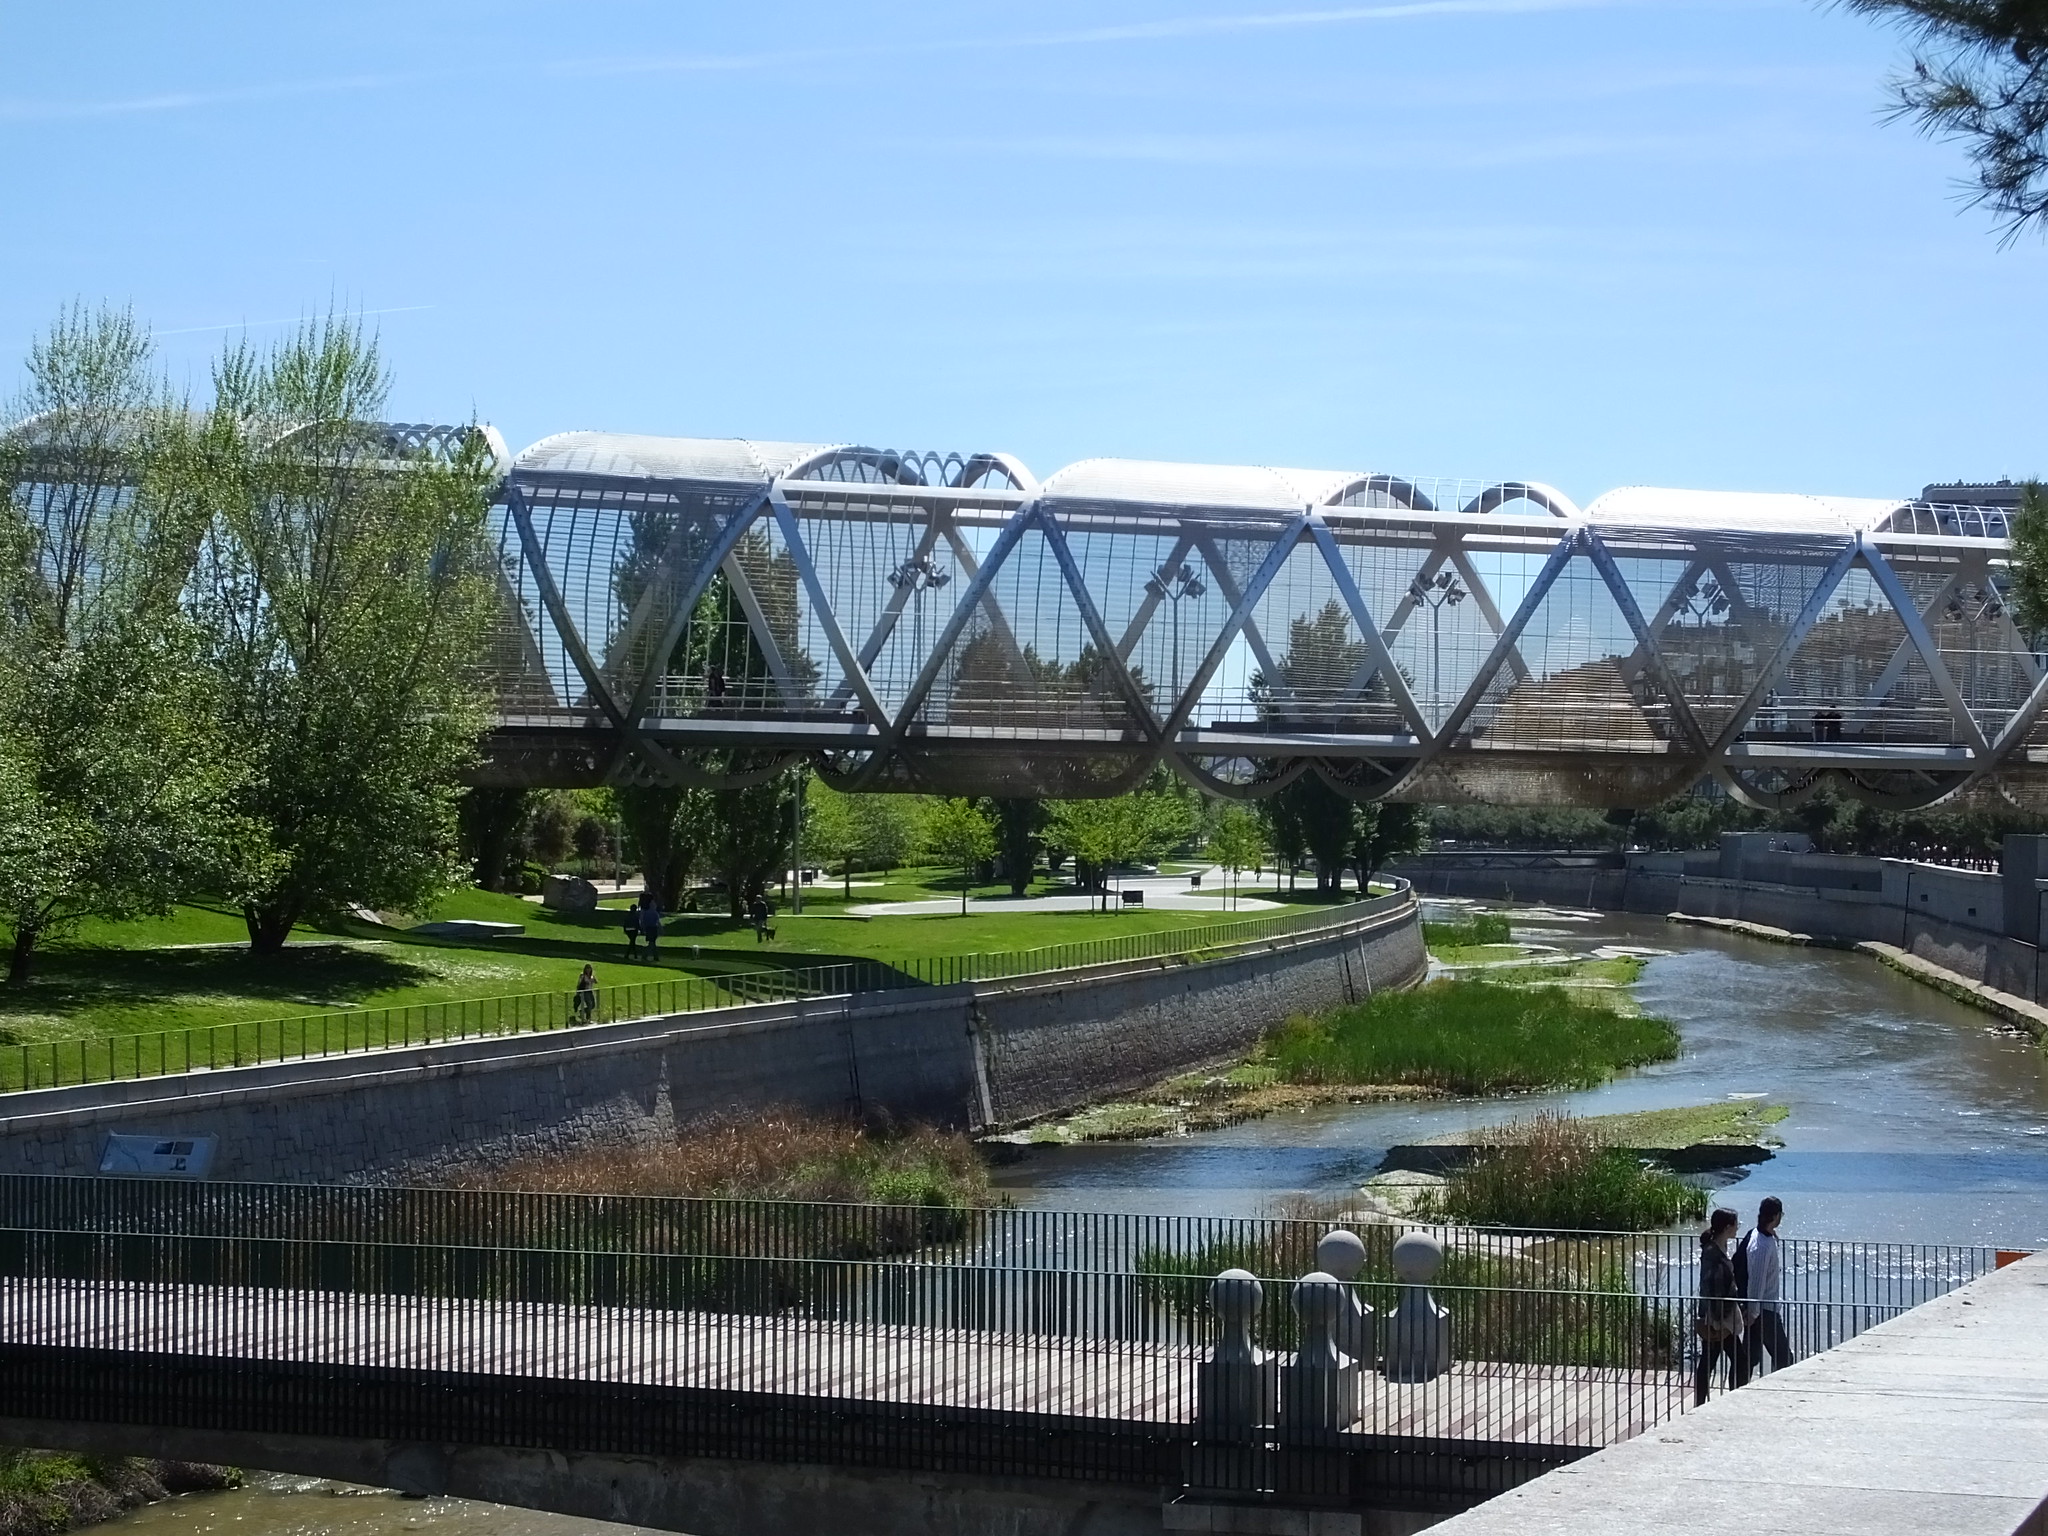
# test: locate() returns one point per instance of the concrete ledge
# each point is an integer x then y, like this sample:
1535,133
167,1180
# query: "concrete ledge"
2031,1017
1762,931
1934,1422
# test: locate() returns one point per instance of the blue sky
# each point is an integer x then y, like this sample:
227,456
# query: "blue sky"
1667,241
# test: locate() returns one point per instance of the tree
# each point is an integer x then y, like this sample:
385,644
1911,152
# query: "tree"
1327,824
114,793
1386,830
959,833
1019,822
1980,73
834,826
346,587
491,823
1284,832
1237,841
2030,560
749,832
1126,829
668,828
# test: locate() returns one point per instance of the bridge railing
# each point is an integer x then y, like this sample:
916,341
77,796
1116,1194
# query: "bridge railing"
157,1053
1531,1365
1885,1275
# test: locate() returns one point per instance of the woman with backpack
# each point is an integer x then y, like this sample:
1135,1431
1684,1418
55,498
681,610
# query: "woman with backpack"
1718,1322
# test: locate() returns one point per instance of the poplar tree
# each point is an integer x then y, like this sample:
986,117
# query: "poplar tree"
345,585
114,793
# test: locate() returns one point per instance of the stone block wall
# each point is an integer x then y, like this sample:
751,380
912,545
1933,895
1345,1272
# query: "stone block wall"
975,1055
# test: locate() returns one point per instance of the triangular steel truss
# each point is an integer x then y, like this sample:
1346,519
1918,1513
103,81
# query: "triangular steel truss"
1644,684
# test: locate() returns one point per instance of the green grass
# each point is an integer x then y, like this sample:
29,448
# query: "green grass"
1556,1172
1482,928
191,969
1471,1037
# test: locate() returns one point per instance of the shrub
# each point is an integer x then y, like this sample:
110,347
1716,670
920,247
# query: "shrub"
1470,1037
1468,933
1554,1172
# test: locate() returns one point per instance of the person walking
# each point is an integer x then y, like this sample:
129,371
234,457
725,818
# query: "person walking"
757,914
650,923
1760,1275
1718,1321
586,995
633,927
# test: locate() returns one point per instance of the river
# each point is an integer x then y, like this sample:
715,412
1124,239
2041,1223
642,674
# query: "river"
1912,1119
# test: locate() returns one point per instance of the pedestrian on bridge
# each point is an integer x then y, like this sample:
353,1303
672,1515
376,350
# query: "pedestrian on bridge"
1760,1278
1717,1318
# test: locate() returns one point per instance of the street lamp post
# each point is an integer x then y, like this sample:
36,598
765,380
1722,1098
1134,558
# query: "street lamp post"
917,576
1444,592
1173,584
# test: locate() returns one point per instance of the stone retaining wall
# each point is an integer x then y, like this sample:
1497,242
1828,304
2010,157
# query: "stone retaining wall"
976,1055
1954,918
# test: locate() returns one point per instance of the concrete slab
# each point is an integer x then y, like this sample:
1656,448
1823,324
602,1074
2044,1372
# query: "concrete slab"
1935,1422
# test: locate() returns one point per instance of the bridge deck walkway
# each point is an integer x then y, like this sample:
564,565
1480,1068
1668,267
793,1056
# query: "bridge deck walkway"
1093,1377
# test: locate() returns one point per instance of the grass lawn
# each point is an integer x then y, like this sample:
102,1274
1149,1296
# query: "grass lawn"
193,968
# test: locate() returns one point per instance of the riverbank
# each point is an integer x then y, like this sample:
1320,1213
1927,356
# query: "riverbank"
1522,1028
43,1493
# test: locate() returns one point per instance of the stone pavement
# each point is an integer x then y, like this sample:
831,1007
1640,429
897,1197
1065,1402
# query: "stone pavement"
1932,1424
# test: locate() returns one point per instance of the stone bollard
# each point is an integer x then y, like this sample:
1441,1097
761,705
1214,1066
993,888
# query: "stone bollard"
1319,1389
1341,1255
1419,1332
1234,1386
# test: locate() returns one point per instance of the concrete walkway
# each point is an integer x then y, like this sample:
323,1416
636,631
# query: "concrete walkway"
1933,1424
1167,893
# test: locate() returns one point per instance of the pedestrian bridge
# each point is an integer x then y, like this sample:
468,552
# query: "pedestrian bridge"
692,610
727,1366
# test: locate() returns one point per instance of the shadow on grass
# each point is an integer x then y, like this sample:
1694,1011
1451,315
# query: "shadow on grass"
71,981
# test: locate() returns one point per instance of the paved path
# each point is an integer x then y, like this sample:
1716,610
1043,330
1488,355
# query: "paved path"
1932,1424
1167,893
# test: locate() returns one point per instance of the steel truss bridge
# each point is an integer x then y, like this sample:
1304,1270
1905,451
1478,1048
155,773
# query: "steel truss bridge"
701,611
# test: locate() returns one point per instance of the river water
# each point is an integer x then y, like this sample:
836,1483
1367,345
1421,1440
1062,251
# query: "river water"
1913,1119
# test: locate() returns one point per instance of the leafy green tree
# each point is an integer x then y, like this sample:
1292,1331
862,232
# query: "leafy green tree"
1237,842
1980,74
2030,560
959,832
748,834
834,827
114,792
1126,829
1019,823
491,824
1386,830
346,588
668,828
1284,832
1328,826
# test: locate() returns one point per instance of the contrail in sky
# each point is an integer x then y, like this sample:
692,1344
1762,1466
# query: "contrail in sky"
19,110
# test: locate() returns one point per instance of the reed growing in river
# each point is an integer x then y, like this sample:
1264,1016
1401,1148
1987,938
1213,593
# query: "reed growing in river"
1471,1037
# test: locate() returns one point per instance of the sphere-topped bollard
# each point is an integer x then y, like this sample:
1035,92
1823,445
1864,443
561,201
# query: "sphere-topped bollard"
1234,1386
1341,1255
1319,1389
1418,1333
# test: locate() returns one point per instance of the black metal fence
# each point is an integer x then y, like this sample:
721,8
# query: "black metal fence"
1000,1341
112,1058
1884,1275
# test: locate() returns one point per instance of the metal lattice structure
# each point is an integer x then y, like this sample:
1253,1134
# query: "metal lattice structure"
690,610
